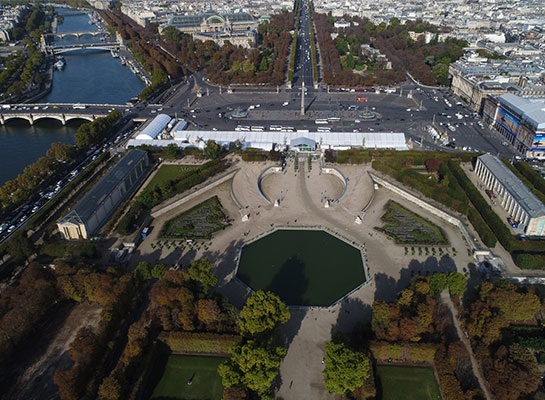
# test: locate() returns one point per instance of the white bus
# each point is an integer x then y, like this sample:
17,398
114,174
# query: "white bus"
257,128
324,129
334,119
321,122
78,107
275,128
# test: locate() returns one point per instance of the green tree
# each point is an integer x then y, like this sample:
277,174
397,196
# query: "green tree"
263,65
142,272
438,283
457,283
263,312
200,271
158,271
170,33
60,151
171,151
19,246
345,369
252,366
212,149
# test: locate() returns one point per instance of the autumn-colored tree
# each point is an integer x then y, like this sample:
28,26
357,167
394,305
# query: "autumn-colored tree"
234,393
68,384
208,312
85,346
514,373
110,389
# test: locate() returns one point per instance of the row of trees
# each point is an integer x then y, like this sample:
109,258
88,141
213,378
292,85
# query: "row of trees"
142,43
22,306
411,317
427,62
16,191
231,64
21,70
255,361
90,350
510,368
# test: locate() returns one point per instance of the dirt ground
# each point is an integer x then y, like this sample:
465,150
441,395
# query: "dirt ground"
302,199
47,351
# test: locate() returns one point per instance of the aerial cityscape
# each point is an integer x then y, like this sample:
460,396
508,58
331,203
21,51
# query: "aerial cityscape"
244,200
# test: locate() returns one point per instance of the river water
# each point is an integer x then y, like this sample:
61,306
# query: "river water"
90,76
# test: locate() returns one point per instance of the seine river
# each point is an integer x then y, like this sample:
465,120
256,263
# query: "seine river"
90,76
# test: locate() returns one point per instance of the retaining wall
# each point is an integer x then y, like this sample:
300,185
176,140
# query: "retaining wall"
334,171
273,169
196,193
428,207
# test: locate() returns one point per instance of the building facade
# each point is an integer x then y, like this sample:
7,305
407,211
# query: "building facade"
211,21
520,121
516,199
98,205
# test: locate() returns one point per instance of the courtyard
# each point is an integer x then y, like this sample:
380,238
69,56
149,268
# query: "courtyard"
301,197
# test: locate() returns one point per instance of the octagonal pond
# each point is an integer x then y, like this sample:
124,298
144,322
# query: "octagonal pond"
303,267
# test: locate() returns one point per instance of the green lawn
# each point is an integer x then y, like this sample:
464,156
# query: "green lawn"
170,172
206,384
407,383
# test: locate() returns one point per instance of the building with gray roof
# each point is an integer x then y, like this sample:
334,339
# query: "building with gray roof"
97,205
212,21
513,195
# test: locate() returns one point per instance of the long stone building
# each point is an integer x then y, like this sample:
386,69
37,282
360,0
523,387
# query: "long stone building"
519,202
98,205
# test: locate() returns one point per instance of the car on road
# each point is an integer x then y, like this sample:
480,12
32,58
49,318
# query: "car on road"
286,103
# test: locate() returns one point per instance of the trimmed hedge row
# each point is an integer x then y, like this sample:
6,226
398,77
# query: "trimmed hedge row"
500,229
539,194
532,175
59,250
191,342
530,261
415,352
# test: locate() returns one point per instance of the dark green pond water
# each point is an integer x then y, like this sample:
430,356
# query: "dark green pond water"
302,267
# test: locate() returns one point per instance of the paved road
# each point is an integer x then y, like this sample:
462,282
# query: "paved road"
445,298
303,59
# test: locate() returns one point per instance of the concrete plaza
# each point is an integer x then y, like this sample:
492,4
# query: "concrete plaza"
302,197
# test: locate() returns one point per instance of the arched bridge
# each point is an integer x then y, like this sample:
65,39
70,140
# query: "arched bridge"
78,34
58,49
33,117
60,112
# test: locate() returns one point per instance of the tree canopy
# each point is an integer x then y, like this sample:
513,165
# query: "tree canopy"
264,311
345,369
252,366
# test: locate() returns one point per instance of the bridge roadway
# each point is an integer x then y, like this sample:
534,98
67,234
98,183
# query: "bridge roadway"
57,49
77,34
60,111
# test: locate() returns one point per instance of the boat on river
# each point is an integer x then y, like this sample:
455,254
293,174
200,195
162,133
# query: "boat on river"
60,65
